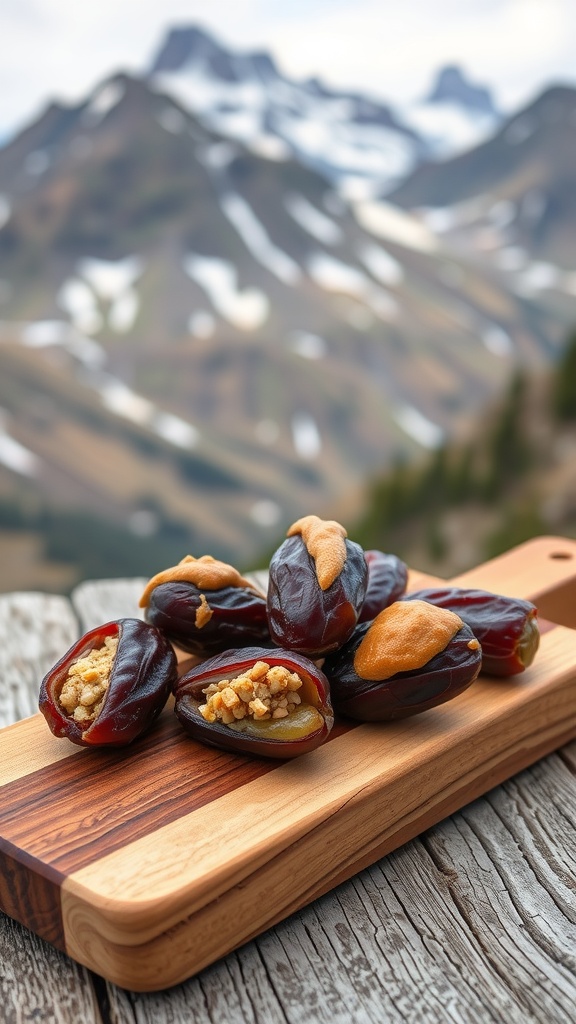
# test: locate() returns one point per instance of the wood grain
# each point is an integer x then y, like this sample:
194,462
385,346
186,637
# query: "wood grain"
274,1005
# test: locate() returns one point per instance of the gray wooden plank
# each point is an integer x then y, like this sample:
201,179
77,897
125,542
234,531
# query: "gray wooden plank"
99,601
35,631
38,983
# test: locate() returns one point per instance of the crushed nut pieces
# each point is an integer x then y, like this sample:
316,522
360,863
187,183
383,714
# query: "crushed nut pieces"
261,693
87,682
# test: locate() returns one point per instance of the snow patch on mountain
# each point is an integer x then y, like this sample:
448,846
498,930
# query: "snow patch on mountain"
104,100
175,430
265,513
497,341
313,220
5,210
306,436
77,299
381,264
417,426
172,120
201,324
14,455
256,239
387,221
44,333
307,345
448,127
246,309
110,278
123,311
335,276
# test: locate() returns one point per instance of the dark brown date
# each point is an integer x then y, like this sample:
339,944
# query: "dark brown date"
506,627
443,677
304,617
237,617
387,580
110,686
229,702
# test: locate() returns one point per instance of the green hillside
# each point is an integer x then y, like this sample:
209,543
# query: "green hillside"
513,477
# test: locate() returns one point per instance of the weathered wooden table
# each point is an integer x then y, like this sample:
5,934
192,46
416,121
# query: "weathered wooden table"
474,921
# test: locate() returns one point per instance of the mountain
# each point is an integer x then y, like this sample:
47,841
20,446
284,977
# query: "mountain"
363,145
513,197
455,116
200,338
452,86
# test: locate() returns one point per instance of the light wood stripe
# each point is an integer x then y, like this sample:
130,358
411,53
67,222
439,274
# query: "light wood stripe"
28,746
397,766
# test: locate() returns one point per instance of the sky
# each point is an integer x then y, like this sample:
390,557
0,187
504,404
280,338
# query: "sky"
60,49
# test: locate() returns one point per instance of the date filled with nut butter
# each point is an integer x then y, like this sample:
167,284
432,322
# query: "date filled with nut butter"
412,657
205,606
317,585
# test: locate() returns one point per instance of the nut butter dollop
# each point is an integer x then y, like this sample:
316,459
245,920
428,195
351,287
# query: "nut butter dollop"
206,573
325,541
403,637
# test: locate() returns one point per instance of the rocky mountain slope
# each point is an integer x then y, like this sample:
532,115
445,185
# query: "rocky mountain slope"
198,335
513,197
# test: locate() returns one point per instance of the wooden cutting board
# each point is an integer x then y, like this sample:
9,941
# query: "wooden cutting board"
150,863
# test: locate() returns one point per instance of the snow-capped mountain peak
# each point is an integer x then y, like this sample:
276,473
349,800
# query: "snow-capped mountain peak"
362,144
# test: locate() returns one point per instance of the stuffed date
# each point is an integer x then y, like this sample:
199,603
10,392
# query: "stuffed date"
204,606
256,701
387,580
317,585
412,657
506,627
110,686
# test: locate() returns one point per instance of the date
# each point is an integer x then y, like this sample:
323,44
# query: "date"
387,581
506,627
317,585
110,686
262,701
205,606
402,663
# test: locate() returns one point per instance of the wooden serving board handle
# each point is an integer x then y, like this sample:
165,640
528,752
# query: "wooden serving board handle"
148,864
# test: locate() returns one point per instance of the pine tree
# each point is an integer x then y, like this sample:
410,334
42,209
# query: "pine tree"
564,383
509,450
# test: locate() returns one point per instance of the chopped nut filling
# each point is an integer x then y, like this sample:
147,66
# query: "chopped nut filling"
203,613
206,573
260,693
87,682
325,540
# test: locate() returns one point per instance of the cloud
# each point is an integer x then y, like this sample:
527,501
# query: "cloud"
394,49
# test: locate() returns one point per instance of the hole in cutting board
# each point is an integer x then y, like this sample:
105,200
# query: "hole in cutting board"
561,554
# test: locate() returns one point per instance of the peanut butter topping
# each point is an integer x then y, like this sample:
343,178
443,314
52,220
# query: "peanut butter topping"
325,540
203,613
206,573
403,637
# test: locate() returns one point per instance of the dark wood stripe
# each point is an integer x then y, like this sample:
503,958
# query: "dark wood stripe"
30,893
79,809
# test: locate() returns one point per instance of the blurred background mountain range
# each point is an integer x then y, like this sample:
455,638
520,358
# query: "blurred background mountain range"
229,298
